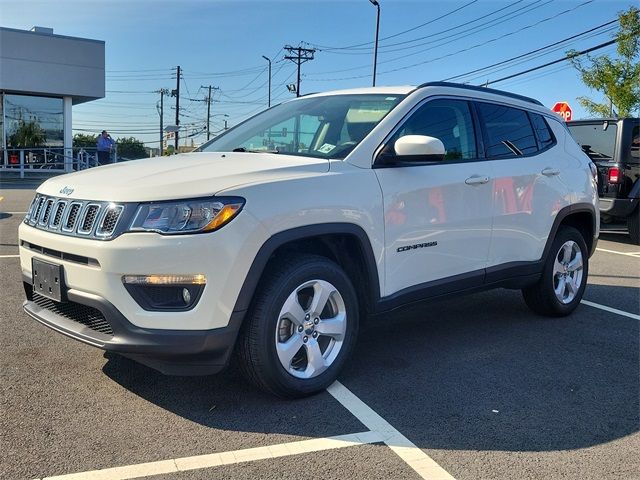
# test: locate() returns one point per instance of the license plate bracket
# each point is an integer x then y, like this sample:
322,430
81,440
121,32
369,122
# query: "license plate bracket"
48,280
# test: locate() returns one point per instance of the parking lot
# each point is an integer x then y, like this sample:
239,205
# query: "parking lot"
470,388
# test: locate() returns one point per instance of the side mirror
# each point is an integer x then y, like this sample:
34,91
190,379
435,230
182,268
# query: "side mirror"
419,148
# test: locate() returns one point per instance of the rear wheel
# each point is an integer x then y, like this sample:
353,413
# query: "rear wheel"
633,223
301,328
564,277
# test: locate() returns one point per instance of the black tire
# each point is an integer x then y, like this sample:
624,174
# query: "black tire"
541,297
256,349
633,223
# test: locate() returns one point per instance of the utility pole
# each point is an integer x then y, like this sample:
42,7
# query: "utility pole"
176,93
302,55
269,60
208,100
375,50
162,92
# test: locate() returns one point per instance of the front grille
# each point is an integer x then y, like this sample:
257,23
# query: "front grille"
83,218
88,316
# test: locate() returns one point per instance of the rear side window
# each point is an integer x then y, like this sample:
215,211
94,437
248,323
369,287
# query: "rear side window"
508,131
635,145
543,132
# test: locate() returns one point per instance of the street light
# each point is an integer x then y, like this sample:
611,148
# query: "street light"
269,60
375,50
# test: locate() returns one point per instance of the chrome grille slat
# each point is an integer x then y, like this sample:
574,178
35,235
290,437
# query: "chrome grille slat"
80,218
36,211
70,218
109,220
46,211
88,217
57,214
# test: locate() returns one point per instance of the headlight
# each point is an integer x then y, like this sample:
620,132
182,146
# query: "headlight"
186,216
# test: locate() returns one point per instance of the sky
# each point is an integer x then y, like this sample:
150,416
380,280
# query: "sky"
221,43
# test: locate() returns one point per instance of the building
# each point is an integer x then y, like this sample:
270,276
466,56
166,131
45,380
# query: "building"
42,75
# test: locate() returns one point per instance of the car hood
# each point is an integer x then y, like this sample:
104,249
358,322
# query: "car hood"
179,176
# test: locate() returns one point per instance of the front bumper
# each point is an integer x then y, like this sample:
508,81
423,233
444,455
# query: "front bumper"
172,352
618,207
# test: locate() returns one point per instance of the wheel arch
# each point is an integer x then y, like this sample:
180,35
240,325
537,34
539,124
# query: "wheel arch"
344,243
581,216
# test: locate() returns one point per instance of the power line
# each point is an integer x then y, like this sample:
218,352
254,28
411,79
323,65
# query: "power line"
567,57
517,57
472,47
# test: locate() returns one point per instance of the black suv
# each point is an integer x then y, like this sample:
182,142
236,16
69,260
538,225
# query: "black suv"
613,144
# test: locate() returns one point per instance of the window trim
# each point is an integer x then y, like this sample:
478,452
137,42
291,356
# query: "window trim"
377,163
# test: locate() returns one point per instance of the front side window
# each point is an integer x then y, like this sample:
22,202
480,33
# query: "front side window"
321,127
450,121
508,131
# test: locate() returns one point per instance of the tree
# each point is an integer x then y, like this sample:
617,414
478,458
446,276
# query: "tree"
27,135
130,148
83,140
617,78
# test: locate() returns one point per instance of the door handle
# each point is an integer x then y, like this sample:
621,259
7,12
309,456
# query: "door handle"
476,180
550,172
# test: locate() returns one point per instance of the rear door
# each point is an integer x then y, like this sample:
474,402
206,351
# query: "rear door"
528,191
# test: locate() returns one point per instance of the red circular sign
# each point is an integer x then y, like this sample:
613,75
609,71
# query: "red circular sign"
564,110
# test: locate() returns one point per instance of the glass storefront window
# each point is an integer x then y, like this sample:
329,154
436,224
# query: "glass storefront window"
32,121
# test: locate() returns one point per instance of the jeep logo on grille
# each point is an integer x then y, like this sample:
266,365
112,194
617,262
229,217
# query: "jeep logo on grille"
66,190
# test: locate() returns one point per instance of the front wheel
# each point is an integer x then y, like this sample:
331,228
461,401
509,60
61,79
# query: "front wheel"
564,276
301,328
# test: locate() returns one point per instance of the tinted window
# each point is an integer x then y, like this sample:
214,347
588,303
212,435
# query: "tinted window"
508,131
448,120
597,140
543,132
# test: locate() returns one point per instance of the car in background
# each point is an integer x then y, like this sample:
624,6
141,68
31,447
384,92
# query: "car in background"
613,144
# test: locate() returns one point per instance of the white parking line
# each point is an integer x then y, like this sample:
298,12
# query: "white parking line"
611,310
9,256
224,458
422,463
628,254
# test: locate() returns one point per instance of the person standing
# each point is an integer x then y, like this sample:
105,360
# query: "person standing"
104,145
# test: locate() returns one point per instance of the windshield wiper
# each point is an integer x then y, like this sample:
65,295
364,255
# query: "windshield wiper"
242,149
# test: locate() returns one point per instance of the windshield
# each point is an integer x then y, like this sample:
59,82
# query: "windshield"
321,127
596,141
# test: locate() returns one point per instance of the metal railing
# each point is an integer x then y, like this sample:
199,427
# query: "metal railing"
53,160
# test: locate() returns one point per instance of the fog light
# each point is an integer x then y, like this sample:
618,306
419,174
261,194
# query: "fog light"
165,292
186,296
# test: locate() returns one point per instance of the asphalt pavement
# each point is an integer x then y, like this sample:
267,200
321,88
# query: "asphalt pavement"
471,388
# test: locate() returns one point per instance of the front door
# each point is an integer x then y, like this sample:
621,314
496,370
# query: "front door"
437,216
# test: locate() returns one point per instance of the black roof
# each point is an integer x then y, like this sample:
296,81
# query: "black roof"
481,89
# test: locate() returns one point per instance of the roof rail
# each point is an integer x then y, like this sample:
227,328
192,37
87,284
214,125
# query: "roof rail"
481,89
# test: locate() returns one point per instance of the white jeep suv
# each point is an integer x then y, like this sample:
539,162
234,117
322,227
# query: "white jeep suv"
275,238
